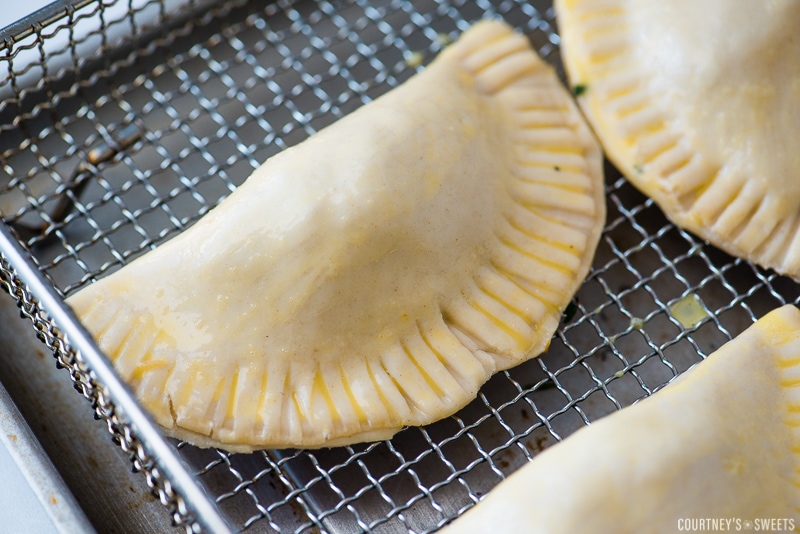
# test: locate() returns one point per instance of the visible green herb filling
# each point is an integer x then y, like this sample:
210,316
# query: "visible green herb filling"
415,59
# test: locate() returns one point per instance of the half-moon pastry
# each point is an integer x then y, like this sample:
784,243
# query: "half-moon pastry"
375,275
698,105
721,441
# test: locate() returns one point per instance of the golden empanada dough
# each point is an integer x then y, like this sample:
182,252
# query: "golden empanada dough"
721,441
698,104
375,275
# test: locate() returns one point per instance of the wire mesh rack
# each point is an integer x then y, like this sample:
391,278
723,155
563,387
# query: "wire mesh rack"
123,122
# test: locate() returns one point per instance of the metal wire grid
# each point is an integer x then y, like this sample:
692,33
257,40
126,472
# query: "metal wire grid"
182,116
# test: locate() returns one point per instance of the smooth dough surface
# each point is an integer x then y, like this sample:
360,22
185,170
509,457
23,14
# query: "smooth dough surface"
375,275
698,105
721,441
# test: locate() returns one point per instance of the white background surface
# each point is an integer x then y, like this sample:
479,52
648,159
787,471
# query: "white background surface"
34,498
22,511
14,10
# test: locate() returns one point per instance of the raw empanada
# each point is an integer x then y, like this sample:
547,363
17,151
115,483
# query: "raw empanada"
698,104
375,275
721,441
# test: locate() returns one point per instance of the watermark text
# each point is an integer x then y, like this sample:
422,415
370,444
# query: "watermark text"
736,524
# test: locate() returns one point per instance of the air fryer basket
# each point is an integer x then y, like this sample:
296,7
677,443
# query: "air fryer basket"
123,122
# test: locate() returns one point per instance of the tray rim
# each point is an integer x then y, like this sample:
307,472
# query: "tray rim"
93,375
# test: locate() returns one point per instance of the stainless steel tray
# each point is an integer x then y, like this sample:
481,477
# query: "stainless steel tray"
34,496
110,149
